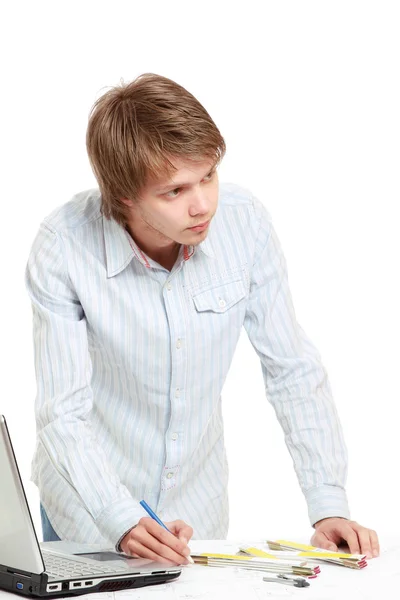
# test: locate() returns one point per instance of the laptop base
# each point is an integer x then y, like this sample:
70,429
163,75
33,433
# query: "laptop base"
35,585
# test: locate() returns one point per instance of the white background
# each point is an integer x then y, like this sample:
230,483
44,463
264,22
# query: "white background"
307,97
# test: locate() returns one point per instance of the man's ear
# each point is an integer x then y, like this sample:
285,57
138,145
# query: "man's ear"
127,202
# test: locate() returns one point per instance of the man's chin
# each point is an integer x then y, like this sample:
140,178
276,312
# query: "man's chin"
194,239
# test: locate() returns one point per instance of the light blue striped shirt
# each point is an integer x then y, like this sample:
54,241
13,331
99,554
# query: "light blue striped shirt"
131,360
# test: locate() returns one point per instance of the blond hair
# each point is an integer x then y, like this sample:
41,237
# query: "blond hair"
135,130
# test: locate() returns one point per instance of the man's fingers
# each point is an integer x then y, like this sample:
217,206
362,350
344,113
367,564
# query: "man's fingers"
150,540
320,540
143,551
168,539
369,544
137,550
364,541
154,548
350,537
159,535
359,540
374,542
181,529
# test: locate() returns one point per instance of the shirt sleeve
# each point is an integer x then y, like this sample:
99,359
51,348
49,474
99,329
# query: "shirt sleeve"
296,382
64,396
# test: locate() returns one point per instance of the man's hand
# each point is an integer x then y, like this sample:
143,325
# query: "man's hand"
329,533
149,540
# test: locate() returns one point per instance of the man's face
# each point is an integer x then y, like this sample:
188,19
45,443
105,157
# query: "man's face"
169,209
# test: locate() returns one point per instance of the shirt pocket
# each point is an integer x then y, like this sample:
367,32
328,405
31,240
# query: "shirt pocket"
220,298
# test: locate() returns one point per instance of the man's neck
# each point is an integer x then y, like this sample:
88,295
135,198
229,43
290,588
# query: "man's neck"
164,253
166,257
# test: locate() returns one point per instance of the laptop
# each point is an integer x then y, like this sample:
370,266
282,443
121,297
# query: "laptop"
58,568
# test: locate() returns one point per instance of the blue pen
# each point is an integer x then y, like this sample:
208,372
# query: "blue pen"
153,515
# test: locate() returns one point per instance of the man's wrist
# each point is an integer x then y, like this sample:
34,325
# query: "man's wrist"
326,518
118,544
118,518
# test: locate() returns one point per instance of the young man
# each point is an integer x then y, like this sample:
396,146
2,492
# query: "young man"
139,292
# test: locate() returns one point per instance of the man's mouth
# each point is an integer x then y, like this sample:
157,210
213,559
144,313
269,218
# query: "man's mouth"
200,226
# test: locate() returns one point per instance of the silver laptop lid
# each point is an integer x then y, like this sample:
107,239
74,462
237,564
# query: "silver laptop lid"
19,548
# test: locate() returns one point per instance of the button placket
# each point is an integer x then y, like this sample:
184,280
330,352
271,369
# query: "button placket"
175,307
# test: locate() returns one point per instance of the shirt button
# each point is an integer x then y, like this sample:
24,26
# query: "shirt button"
177,393
222,302
169,286
174,436
170,475
178,343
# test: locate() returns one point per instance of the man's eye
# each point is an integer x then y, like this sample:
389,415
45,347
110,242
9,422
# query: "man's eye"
175,192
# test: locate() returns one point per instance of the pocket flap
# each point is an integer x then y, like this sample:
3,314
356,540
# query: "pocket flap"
218,299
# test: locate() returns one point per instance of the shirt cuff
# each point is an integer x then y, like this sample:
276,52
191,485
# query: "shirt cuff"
118,544
325,501
119,518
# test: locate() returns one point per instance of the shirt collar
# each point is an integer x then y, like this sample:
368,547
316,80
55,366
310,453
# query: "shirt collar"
207,248
119,251
121,248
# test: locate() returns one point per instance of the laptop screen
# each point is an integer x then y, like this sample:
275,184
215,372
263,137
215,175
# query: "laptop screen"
19,548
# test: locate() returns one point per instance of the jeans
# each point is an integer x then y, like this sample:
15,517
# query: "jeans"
49,535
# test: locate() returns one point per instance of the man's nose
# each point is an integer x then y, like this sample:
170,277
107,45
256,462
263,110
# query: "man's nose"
199,203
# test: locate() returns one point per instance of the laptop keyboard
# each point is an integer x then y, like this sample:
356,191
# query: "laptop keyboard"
59,566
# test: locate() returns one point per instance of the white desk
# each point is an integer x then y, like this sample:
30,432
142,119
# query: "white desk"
380,580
